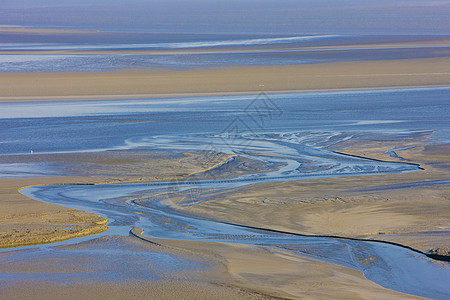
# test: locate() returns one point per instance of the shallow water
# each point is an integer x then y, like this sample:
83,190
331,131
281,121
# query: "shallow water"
105,259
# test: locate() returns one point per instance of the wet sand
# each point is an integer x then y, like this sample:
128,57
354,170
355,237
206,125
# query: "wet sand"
24,221
381,207
201,270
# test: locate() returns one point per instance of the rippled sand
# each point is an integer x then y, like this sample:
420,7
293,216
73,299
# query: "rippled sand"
381,207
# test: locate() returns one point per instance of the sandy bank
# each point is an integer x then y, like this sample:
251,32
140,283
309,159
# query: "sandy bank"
24,221
361,206
128,84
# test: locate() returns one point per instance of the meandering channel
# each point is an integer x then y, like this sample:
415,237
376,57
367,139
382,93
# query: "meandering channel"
389,265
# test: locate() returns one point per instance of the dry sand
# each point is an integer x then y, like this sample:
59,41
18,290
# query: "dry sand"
126,84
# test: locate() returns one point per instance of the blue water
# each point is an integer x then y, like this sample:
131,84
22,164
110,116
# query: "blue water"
391,266
98,125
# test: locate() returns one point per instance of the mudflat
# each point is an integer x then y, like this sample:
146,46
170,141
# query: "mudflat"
399,208
230,271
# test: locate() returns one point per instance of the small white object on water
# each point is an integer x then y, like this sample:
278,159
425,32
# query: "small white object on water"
31,151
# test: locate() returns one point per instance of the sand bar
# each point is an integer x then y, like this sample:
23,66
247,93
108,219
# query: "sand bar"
127,84
342,206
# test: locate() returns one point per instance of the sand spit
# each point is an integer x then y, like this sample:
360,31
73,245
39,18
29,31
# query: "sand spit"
27,222
356,207
24,221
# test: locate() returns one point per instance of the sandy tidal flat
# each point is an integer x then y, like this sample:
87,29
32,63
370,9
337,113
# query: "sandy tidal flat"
385,207
395,208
